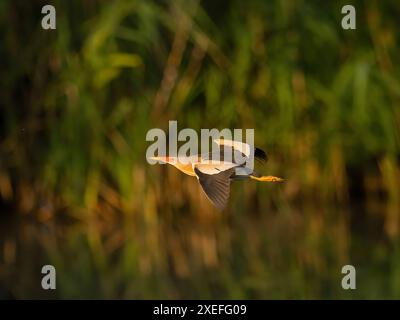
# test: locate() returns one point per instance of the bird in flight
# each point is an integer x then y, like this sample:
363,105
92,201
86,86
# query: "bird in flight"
216,170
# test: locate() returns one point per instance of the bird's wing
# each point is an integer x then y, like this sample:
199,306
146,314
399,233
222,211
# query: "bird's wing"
225,156
216,186
244,148
237,145
212,166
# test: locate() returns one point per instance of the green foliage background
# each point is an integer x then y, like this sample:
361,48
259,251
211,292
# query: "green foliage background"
76,190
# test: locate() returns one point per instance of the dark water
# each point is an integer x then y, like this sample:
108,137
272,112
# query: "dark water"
292,252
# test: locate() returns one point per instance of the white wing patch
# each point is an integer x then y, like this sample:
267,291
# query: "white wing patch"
213,167
237,145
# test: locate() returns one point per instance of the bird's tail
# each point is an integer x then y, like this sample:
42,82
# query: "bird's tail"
265,178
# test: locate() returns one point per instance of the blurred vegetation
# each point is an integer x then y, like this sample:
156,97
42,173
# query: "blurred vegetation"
76,190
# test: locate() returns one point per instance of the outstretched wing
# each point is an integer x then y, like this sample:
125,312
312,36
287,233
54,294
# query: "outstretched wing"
215,186
237,145
244,148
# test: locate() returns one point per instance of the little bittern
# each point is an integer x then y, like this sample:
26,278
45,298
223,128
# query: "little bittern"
215,176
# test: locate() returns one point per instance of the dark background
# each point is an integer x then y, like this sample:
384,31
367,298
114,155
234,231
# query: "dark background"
76,190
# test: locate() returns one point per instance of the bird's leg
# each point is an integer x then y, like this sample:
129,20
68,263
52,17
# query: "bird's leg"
267,178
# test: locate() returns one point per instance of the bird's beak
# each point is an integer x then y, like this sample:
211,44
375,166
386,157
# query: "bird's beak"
160,159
